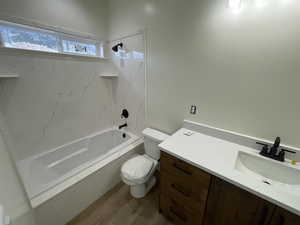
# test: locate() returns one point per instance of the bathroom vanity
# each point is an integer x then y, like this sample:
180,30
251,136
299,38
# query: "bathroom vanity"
190,196
184,190
200,185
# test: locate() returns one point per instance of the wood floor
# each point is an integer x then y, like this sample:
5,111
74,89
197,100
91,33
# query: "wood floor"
117,207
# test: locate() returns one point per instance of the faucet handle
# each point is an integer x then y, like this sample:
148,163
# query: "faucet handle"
124,114
277,142
282,152
265,148
285,150
263,144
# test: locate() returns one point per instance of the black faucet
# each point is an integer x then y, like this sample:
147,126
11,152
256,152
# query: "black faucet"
121,126
274,149
273,152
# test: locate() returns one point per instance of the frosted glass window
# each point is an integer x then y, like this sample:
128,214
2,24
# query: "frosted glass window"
1,35
76,47
27,39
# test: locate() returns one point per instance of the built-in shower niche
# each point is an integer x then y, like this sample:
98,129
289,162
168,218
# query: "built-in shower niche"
109,75
8,75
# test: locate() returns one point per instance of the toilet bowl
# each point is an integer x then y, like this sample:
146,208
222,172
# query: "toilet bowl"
138,171
138,174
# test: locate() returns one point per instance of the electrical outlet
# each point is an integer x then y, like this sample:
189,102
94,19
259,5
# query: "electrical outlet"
193,110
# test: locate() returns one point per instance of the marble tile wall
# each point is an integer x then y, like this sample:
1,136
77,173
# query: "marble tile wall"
57,99
129,89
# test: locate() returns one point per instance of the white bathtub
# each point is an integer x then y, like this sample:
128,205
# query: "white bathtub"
47,174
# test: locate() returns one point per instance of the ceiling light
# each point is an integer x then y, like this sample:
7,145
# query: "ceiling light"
261,3
234,4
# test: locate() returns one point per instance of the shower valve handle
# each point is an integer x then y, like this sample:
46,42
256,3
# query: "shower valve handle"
125,113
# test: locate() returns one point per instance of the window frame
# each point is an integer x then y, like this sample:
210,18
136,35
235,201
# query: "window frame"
64,37
60,36
29,29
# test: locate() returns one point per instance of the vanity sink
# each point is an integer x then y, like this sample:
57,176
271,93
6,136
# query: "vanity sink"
267,170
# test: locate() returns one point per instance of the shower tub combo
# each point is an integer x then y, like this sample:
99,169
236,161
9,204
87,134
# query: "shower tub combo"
48,174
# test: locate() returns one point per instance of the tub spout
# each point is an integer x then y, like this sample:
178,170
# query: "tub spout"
121,126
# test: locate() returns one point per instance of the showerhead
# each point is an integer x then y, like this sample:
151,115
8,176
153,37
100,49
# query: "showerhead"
116,47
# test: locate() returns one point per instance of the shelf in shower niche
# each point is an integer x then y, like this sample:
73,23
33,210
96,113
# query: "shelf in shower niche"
9,75
109,75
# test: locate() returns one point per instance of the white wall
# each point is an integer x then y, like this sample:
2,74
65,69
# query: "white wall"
55,100
240,69
12,196
86,17
61,98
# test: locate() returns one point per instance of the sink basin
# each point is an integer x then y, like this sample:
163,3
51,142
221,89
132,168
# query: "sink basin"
267,170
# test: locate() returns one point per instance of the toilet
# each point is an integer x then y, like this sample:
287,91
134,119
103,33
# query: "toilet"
138,171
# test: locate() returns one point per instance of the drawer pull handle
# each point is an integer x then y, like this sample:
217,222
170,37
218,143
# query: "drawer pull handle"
181,169
181,217
179,189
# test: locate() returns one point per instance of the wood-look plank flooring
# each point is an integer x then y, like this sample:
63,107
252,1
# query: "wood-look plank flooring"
117,207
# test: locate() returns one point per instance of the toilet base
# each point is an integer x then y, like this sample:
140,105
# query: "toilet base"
140,190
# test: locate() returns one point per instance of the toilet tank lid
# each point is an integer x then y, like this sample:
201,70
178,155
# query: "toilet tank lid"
155,135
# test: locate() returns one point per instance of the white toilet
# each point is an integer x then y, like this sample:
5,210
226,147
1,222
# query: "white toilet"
138,171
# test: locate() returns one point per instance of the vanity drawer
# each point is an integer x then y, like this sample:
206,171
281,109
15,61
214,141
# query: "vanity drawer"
192,195
178,213
179,168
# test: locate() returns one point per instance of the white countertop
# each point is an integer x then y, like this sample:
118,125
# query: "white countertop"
218,157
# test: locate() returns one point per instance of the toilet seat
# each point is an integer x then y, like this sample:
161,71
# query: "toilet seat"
138,169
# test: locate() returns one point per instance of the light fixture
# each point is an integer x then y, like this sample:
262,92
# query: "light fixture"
234,4
261,3
149,8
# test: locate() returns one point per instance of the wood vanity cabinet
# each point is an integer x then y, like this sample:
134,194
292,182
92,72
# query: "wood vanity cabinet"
284,217
230,205
183,192
190,196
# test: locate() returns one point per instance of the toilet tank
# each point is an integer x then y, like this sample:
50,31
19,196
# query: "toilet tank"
152,139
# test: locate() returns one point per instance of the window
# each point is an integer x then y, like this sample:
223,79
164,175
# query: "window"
29,38
76,47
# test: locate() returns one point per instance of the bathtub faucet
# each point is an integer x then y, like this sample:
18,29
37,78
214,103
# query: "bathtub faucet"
121,126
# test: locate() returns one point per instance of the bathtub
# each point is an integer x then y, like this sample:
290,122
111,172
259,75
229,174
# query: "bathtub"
47,174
